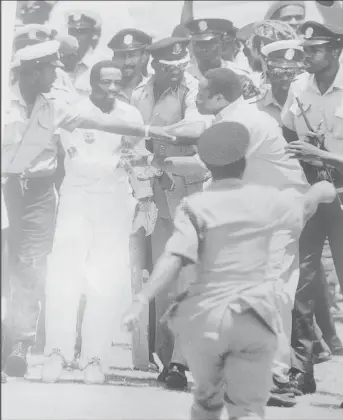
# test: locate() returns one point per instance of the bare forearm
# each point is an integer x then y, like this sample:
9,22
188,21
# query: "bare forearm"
114,125
332,159
166,270
187,133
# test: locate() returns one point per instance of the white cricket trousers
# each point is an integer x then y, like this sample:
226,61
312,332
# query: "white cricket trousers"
90,255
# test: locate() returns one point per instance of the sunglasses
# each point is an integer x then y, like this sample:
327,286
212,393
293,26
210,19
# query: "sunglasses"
167,68
281,72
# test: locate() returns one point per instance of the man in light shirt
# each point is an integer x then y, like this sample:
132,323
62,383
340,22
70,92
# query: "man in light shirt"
227,318
220,94
29,160
93,244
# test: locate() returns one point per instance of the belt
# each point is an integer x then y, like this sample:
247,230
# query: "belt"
27,182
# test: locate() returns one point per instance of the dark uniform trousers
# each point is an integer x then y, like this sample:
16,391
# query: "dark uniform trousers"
326,223
31,205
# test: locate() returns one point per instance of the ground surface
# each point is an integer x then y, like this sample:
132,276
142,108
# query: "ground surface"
136,395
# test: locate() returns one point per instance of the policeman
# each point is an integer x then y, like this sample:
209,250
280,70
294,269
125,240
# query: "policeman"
166,99
226,320
317,96
207,37
85,26
291,12
283,62
129,54
29,151
35,11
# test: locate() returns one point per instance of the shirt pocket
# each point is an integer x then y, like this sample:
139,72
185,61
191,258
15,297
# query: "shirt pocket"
337,128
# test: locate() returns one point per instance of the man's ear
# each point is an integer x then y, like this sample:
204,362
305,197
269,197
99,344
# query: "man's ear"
337,52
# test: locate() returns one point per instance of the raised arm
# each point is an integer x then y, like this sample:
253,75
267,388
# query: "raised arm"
187,12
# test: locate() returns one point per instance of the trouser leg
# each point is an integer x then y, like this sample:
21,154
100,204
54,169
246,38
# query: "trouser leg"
33,221
108,275
310,245
322,308
284,269
334,219
65,280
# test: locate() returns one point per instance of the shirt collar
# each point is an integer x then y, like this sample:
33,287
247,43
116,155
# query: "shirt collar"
229,109
337,83
226,183
16,95
270,100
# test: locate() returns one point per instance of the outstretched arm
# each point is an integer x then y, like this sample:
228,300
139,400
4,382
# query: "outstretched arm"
187,13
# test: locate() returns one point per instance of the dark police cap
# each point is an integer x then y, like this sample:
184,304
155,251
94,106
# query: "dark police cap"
169,49
83,19
315,33
129,40
223,143
180,31
208,29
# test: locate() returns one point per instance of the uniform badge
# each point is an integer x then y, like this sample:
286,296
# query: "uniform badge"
289,54
76,17
32,34
72,152
128,39
177,49
309,32
89,137
203,25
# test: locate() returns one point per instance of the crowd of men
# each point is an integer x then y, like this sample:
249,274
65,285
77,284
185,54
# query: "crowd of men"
210,161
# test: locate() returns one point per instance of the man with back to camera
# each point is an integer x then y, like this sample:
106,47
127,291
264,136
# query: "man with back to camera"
29,152
226,320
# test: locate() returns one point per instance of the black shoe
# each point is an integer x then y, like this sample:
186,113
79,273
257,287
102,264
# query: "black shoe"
303,383
16,364
336,346
176,378
163,375
281,395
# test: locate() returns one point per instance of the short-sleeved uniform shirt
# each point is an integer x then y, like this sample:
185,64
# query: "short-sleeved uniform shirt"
228,239
267,103
267,162
325,109
28,145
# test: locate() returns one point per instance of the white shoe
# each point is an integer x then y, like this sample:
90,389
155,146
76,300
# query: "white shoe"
53,367
93,374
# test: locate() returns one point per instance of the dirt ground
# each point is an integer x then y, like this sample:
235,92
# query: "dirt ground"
136,395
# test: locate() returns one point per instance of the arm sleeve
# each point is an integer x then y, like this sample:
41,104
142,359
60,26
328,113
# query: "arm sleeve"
288,210
184,241
70,115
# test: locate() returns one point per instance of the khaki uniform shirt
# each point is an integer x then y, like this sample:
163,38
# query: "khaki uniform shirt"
228,239
29,146
267,161
324,110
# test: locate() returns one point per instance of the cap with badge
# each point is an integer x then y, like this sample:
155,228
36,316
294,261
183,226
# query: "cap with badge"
170,50
223,144
208,29
82,19
42,53
286,53
32,34
315,33
129,40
